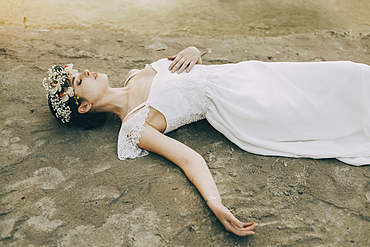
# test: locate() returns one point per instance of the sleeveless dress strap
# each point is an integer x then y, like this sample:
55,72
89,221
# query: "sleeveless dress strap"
133,110
132,75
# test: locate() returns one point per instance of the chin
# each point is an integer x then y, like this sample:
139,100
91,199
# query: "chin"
103,78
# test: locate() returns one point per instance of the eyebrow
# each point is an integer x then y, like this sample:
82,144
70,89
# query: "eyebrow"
73,79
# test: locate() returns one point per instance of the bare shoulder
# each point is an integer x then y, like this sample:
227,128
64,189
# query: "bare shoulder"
131,72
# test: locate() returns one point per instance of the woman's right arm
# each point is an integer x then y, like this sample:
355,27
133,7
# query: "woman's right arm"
196,169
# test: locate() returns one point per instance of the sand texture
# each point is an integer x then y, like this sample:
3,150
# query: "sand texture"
64,186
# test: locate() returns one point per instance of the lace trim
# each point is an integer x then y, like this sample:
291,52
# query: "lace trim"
129,136
192,87
178,122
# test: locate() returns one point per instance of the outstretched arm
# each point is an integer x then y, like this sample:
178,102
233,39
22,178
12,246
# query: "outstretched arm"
185,59
197,172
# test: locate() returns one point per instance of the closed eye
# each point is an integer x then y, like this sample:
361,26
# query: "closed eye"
79,82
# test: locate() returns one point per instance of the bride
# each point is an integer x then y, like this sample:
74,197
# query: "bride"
314,109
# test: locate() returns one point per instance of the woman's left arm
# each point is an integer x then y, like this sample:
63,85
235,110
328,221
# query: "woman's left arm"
197,172
185,59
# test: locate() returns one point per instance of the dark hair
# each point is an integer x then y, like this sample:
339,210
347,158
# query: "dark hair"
87,120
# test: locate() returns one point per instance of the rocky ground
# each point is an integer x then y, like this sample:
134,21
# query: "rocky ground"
64,186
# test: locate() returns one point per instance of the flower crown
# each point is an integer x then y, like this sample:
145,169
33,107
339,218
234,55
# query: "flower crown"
60,91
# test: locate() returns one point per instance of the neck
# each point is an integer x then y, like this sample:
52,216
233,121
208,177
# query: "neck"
114,101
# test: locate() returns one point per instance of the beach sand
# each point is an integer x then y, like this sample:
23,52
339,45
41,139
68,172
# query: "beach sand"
64,186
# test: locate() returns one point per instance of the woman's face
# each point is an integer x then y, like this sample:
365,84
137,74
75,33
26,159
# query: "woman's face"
90,86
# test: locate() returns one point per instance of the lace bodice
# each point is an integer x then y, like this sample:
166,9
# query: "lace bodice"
129,136
179,97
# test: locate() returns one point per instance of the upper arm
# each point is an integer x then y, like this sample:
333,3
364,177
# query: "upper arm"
175,151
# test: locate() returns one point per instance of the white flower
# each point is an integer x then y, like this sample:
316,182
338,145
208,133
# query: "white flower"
53,90
65,97
55,87
70,92
69,69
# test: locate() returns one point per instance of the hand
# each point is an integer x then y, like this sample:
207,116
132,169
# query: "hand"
184,60
231,223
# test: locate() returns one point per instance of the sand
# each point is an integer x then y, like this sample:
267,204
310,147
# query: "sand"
64,186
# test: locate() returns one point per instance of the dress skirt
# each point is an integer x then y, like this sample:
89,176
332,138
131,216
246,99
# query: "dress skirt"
293,109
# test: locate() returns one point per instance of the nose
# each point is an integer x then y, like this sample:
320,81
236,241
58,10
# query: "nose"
87,73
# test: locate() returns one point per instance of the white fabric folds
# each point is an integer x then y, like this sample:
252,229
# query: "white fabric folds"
310,109
292,109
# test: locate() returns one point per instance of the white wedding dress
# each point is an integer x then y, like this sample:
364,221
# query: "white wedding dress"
292,109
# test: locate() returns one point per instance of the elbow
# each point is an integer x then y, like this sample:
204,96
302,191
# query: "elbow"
194,160
192,165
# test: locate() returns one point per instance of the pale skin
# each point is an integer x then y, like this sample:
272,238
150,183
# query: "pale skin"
97,96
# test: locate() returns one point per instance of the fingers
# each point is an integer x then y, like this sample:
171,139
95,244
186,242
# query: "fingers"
242,234
246,230
250,228
175,59
241,228
183,66
177,64
239,231
190,66
251,225
186,59
246,226
234,225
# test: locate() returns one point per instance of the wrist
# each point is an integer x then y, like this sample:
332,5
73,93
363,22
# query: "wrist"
196,49
215,204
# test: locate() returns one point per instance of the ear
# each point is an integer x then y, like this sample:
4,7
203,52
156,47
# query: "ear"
84,107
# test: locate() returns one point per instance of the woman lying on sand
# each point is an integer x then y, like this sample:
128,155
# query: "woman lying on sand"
291,109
